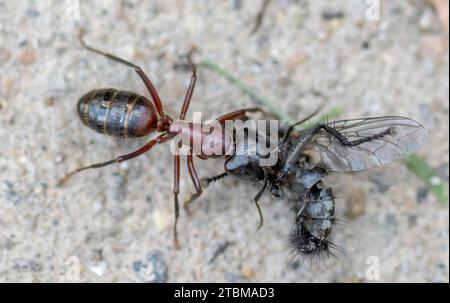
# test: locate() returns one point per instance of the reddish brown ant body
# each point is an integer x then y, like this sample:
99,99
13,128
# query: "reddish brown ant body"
126,114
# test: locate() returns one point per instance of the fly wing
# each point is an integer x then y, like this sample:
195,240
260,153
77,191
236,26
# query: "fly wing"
394,137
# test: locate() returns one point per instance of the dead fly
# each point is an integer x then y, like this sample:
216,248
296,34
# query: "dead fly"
305,157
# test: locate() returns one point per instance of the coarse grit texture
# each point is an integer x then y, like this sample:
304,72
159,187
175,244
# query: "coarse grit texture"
115,224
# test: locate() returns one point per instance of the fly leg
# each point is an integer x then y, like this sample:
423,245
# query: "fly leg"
204,182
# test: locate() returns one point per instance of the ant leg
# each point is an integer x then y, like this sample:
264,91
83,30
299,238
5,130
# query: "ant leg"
256,199
190,91
152,90
197,183
176,191
184,109
239,114
162,138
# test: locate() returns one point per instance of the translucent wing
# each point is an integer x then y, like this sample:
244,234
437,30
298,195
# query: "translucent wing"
394,138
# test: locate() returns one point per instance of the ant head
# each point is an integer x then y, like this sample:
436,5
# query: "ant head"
245,168
246,164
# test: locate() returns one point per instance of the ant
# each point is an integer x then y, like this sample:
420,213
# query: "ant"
127,114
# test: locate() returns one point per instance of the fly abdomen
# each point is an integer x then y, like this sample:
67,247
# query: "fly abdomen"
117,112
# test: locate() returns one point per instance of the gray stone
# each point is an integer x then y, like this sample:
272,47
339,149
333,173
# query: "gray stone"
152,269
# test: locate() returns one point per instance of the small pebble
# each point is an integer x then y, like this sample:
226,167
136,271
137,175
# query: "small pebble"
49,101
356,204
247,272
23,42
99,268
365,44
380,181
7,85
31,12
8,244
234,278
153,269
441,273
26,265
427,21
59,158
422,194
391,223
296,59
10,193
26,57
96,255
412,220
5,55
237,4
162,219
396,11
435,181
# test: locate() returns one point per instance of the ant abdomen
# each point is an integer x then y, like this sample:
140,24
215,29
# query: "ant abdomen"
117,113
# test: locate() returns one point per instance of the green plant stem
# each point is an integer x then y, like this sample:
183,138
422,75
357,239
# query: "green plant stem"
418,165
247,90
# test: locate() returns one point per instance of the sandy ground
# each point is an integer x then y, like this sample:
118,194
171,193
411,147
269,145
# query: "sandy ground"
114,224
